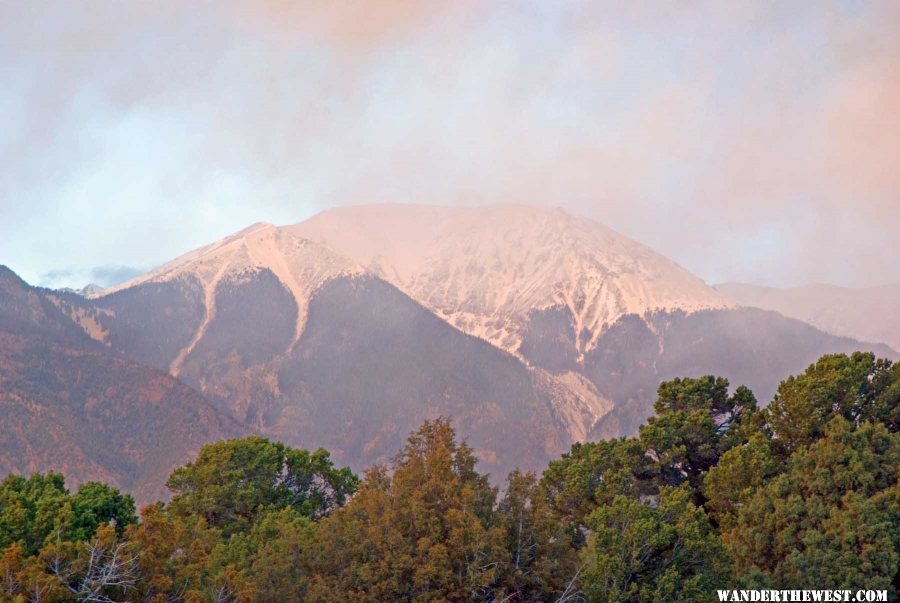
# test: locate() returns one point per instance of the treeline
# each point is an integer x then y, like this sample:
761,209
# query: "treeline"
713,492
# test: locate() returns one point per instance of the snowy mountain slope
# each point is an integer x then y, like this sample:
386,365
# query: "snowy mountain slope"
493,272
484,269
370,365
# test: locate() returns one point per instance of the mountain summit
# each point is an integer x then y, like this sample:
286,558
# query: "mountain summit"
485,269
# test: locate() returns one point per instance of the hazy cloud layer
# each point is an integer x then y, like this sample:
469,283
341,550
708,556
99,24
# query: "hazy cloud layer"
749,141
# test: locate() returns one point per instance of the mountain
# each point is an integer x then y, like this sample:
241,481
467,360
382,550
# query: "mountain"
72,405
531,327
868,313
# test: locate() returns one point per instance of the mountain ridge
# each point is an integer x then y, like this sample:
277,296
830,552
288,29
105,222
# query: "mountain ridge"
540,283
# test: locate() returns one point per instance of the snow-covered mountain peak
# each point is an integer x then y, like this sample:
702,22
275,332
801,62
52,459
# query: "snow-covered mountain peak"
484,269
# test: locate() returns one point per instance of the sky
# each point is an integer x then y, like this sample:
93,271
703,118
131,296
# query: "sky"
749,141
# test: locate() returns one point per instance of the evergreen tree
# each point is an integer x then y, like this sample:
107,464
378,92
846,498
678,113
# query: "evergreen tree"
696,422
643,551
593,473
856,387
31,509
739,473
38,508
541,559
832,518
96,504
173,554
424,533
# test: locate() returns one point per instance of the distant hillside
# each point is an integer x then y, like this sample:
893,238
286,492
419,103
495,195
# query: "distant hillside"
868,314
69,404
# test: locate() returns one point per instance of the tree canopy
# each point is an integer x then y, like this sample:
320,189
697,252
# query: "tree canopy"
232,481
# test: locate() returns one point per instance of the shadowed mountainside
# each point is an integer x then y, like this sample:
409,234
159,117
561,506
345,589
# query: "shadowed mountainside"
748,346
68,404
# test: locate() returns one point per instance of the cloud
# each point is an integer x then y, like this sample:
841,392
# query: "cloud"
746,140
59,275
352,27
105,276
